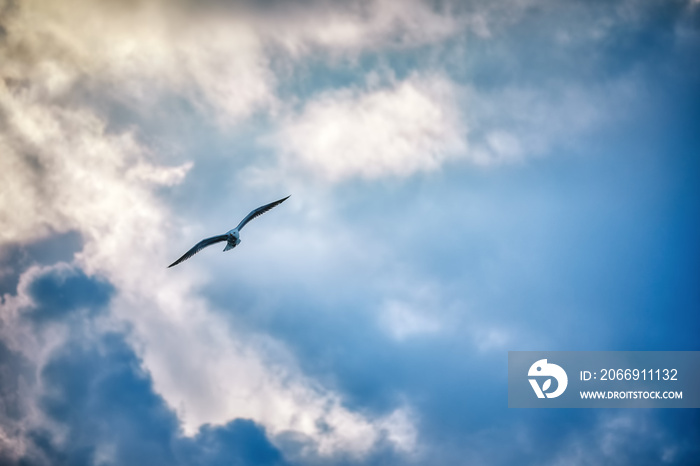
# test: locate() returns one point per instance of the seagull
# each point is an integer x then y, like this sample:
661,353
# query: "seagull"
232,237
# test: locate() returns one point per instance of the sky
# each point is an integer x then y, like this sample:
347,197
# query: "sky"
467,178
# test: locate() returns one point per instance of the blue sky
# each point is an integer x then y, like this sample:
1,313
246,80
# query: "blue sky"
467,179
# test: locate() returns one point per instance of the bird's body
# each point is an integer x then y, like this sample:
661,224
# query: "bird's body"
232,237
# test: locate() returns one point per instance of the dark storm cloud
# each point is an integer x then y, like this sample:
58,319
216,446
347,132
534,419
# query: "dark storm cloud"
105,404
62,291
239,442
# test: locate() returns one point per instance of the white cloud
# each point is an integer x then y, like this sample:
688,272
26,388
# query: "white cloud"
402,320
490,339
411,126
424,122
139,53
417,306
361,25
61,170
401,430
216,56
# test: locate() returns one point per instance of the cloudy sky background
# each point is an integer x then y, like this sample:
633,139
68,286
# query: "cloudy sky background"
467,178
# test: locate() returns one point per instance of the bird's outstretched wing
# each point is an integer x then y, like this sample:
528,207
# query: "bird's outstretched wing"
259,211
199,246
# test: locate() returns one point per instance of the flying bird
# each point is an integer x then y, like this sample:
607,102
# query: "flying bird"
232,237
